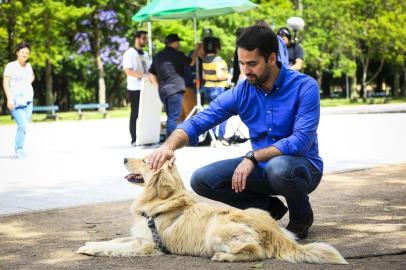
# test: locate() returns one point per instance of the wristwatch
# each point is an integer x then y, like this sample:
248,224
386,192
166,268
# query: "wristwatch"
250,155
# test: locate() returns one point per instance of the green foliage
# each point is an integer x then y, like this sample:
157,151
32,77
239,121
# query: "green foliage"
273,12
340,37
82,94
48,25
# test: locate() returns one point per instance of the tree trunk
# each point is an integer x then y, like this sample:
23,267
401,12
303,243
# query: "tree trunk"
404,80
364,79
354,94
99,62
49,97
396,82
11,24
326,84
102,83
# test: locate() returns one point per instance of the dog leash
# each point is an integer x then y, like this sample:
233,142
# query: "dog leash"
155,234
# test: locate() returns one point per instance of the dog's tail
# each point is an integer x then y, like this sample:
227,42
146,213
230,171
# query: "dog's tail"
310,253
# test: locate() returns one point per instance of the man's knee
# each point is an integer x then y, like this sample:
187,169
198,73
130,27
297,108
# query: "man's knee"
278,168
197,181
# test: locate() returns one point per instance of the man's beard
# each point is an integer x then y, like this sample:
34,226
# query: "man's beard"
260,80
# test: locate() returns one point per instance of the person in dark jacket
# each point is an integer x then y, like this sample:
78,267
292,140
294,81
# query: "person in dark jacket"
167,72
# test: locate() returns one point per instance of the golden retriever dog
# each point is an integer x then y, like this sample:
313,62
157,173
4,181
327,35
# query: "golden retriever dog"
187,226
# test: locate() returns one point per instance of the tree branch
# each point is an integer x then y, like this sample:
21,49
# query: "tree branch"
377,72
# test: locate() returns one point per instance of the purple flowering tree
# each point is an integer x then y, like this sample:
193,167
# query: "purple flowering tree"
101,39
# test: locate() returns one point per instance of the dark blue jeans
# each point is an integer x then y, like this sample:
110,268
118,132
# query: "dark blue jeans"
173,108
293,177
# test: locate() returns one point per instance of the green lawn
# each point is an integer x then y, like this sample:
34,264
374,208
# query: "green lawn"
334,102
72,116
125,112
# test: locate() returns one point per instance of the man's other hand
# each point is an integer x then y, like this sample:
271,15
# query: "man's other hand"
239,181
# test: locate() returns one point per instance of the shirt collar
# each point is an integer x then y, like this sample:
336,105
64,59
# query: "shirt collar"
279,81
282,73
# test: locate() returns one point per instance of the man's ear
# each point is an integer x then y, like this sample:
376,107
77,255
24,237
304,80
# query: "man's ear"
272,58
166,183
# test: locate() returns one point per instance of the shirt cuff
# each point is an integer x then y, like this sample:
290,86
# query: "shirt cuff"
280,145
190,131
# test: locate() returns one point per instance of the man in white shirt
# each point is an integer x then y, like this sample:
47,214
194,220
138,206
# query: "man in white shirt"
136,63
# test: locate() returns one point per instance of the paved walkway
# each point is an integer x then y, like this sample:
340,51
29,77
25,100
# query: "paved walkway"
80,162
361,213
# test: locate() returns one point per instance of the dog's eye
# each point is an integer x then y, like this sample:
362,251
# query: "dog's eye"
145,161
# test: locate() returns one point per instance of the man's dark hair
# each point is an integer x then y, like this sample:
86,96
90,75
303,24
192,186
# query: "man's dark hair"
139,33
239,31
259,37
211,44
22,45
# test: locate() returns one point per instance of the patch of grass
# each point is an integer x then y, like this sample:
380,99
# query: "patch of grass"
124,112
72,116
334,102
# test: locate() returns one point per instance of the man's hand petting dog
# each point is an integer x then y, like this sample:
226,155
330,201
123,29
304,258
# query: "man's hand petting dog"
159,156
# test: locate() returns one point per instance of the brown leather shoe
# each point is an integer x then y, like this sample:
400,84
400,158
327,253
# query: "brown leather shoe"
276,208
301,229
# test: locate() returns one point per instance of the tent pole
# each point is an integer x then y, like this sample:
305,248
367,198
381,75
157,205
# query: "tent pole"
150,39
198,108
149,25
198,97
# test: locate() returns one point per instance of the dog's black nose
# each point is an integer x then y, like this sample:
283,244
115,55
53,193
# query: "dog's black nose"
125,160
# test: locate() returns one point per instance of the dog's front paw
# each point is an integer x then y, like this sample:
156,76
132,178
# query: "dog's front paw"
90,250
222,257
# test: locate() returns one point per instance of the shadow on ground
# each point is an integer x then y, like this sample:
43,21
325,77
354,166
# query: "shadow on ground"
361,213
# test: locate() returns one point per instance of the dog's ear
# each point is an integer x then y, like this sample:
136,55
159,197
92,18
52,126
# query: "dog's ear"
150,189
166,183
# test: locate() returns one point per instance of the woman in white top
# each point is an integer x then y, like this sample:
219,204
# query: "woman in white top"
17,79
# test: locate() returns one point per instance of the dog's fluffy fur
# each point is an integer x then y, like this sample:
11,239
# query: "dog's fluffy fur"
189,227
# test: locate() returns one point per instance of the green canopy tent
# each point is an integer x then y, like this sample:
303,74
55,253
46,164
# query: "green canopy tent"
191,9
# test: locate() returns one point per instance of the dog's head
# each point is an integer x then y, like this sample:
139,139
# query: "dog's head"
161,183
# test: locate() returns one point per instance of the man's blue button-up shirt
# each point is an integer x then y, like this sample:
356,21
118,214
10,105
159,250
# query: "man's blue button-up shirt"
286,118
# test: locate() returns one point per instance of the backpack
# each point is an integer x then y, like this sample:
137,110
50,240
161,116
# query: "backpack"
283,55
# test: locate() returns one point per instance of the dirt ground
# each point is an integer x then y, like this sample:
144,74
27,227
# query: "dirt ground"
362,213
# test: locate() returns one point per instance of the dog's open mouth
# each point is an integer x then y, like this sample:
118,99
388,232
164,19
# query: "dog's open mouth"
134,178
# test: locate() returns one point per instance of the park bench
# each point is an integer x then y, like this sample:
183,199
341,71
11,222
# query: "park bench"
92,106
49,109
381,95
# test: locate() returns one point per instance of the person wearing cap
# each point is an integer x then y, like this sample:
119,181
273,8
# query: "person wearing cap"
295,50
135,65
166,71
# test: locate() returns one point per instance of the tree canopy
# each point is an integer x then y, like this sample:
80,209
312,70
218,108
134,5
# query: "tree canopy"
77,45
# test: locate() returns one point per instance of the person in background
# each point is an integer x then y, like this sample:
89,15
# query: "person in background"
283,54
295,50
17,79
136,62
191,83
166,72
238,76
215,77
